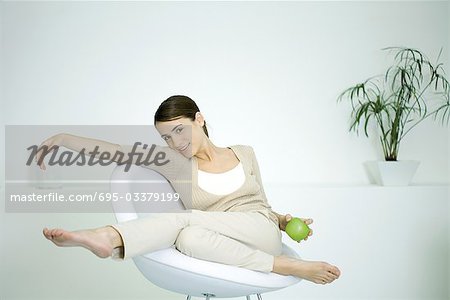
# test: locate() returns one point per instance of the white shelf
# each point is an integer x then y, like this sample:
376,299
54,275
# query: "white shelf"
358,186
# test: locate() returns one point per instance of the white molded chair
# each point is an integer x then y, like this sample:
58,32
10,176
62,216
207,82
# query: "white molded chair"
172,270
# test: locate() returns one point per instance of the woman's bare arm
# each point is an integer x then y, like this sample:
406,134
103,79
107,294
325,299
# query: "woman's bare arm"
75,143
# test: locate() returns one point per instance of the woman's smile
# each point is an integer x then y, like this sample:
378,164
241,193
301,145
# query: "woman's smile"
185,147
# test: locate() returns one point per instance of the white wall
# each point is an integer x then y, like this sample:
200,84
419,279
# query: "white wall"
279,65
448,72
264,73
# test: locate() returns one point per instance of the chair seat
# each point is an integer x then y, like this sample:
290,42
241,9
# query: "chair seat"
172,270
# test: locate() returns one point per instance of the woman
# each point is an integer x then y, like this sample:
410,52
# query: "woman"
231,221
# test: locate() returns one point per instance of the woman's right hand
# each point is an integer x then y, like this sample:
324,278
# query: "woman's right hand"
284,219
52,144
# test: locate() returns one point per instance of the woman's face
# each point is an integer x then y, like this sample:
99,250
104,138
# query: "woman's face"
182,135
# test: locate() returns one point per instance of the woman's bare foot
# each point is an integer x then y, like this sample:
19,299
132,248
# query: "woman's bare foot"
316,271
100,241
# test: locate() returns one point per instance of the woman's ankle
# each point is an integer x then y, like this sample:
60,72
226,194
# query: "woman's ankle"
283,265
113,235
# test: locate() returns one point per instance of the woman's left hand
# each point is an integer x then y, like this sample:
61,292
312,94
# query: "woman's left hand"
283,220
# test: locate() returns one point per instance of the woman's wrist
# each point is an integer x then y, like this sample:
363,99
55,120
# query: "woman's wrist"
62,139
279,217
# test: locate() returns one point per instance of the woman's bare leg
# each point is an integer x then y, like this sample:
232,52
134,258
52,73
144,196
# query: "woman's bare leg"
315,271
100,241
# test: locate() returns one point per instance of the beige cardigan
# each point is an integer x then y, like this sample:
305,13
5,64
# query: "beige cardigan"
182,174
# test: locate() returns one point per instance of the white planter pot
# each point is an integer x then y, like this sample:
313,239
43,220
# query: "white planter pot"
390,173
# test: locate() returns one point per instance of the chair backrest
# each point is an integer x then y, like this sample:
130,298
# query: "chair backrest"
141,192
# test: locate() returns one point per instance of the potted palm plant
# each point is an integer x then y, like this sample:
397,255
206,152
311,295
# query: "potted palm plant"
397,101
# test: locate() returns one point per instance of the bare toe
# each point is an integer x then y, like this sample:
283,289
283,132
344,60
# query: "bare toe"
335,271
331,277
45,232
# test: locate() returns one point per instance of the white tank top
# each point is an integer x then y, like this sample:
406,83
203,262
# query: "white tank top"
222,183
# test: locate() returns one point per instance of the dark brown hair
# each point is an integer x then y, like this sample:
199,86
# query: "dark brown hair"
175,107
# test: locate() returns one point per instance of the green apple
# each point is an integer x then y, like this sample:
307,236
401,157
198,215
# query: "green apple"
297,229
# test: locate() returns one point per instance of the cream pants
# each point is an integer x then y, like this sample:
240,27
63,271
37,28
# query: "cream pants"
245,239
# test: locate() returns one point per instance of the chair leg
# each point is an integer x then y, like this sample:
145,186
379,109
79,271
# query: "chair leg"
259,296
207,296
248,297
188,297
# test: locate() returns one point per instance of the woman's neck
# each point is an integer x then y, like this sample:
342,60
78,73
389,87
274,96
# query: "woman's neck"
208,151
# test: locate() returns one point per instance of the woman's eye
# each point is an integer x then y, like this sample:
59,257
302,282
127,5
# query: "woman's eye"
179,129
